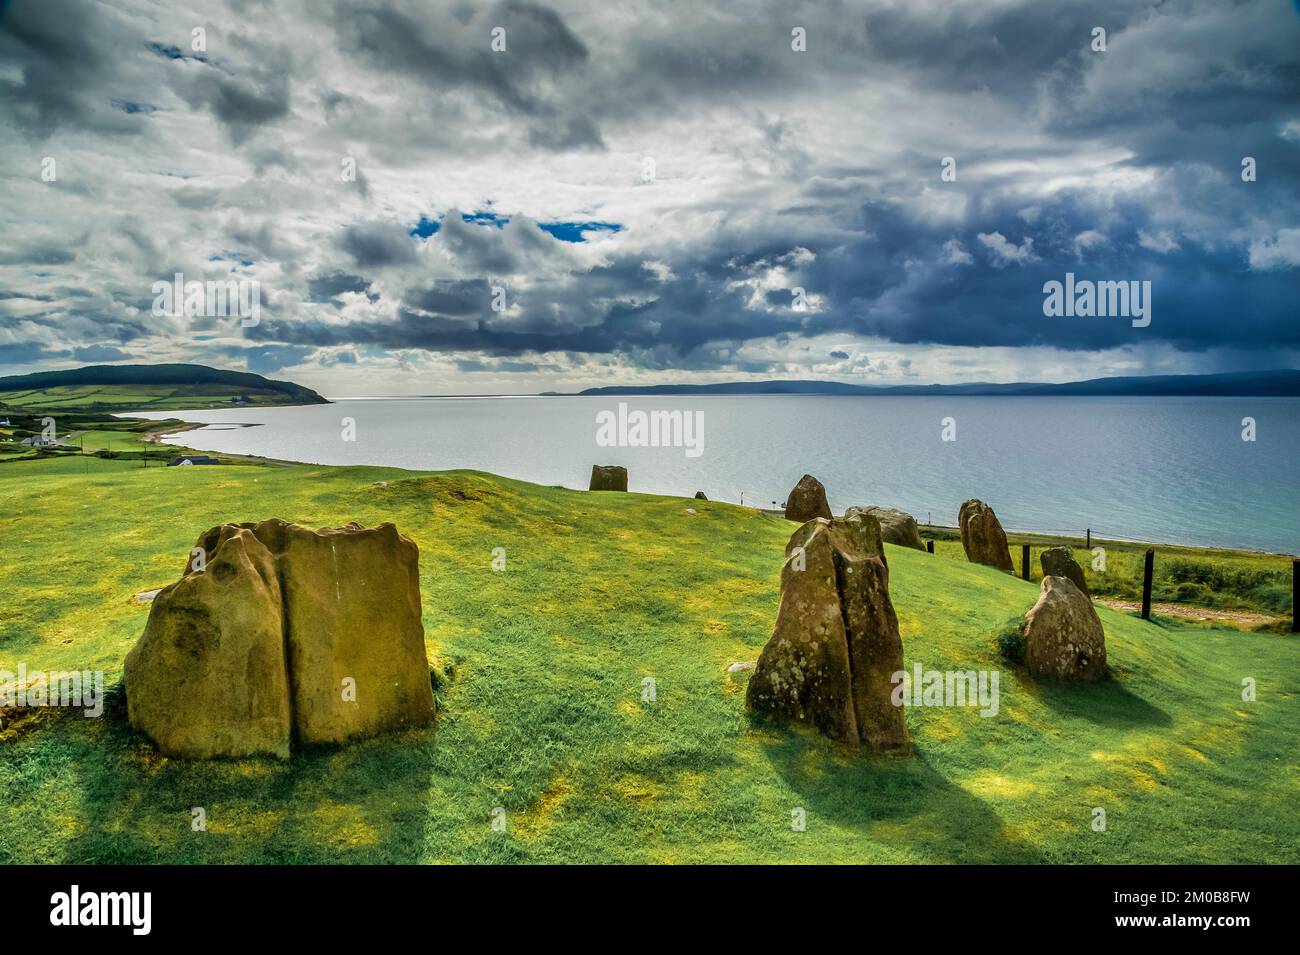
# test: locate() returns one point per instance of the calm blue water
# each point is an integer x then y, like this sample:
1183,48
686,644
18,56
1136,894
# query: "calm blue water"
1171,470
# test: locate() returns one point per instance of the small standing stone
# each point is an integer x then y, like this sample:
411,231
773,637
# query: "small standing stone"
807,501
1064,639
608,478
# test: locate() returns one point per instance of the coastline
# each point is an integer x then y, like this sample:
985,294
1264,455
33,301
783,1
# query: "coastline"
1015,535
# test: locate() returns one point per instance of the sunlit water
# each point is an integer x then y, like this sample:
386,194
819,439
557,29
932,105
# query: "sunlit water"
1172,470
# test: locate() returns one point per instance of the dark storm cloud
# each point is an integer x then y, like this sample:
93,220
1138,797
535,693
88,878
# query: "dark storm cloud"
449,49
98,353
778,170
455,299
324,288
62,54
378,244
244,93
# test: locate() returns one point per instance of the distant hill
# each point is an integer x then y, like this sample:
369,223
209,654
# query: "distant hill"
1283,382
141,387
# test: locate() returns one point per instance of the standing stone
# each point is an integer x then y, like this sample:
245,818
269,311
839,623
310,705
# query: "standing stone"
209,676
897,527
982,536
283,631
1064,639
352,613
608,478
699,496
1057,562
836,645
807,501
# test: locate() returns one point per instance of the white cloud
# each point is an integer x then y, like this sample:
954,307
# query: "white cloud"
1003,252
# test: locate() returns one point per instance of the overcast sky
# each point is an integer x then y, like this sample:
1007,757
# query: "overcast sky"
647,184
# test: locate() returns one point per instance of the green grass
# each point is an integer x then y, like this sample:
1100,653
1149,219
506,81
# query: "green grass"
135,397
1197,576
541,669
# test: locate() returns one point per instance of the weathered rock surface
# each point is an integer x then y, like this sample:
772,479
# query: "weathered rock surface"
209,677
1057,562
982,536
836,643
608,478
311,633
807,501
1064,639
897,527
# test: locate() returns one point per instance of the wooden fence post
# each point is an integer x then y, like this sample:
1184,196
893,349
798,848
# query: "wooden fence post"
1146,584
1024,561
1295,596
929,546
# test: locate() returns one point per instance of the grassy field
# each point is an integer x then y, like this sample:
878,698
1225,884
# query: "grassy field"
540,675
1202,577
136,397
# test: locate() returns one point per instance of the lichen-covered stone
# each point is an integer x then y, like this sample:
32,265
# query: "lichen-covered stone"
807,501
1064,639
279,632
897,527
982,536
836,644
608,478
1057,562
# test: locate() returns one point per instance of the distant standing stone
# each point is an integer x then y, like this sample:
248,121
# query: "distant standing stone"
608,478
836,644
1064,639
982,536
699,496
1057,562
807,501
897,527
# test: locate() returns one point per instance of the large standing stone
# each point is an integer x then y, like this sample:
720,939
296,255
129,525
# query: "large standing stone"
608,478
1064,639
897,527
836,645
209,676
807,501
982,536
335,650
352,613
1057,562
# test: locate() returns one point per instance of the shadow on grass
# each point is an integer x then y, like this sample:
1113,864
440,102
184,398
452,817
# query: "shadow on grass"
1106,703
364,803
896,799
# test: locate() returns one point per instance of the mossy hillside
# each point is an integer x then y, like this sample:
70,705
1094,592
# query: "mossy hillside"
540,681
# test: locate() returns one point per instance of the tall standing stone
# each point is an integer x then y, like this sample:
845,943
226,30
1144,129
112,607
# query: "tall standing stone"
836,644
807,501
982,536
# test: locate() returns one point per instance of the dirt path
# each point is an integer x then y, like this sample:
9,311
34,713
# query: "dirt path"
1244,617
